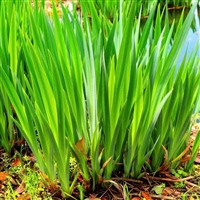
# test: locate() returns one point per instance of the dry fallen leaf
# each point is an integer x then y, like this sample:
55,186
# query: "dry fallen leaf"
80,145
52,185
146,195
21,188
24,197
167,191
3,176
16,162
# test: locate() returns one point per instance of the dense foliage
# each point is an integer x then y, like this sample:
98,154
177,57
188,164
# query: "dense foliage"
105,92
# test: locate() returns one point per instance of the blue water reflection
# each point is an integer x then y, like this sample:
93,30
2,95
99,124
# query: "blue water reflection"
193,39
192,42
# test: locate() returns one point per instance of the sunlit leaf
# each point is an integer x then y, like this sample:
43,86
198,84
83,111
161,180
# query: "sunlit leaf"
158,189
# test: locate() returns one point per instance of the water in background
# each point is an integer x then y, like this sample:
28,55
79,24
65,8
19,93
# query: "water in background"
192,43
193,39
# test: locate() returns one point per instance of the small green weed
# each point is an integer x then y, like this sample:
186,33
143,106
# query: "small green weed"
24,179
179,184
10,194
180,173
186,196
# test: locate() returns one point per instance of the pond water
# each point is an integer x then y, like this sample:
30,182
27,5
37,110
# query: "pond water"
193,39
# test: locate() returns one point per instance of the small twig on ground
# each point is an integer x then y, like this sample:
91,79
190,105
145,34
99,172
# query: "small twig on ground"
104,193
126,179
171,180
118,186
192,184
